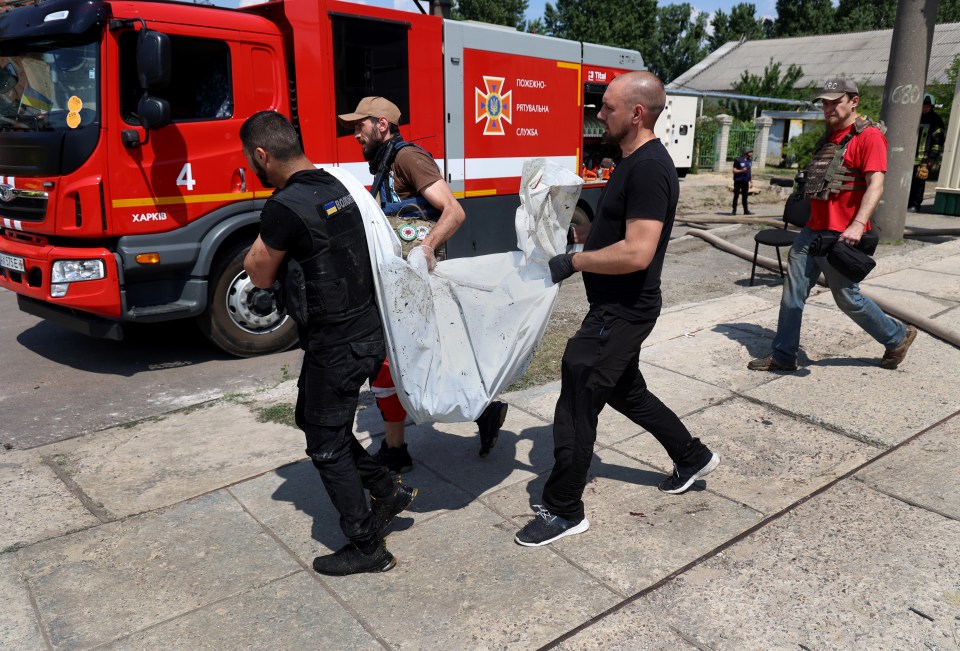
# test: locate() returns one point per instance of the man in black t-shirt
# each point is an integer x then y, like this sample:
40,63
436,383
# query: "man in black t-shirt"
312,225
621,264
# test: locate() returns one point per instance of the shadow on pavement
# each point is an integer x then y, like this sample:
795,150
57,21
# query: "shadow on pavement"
146,347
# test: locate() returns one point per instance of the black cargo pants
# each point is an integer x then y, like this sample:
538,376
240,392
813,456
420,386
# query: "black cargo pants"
601,366
329,384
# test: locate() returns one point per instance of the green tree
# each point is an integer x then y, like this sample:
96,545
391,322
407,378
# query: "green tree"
535,26
497,12
800,148
870,101
948,11
741,23
858,16
772,83
804,17
631,24
769,27
682,39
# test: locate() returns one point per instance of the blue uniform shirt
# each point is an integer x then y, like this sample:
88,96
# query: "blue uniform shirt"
746,164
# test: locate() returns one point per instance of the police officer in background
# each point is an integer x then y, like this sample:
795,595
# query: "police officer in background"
742,179
312,235
421,207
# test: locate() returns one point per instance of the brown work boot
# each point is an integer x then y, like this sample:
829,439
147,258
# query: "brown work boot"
770,364
893,356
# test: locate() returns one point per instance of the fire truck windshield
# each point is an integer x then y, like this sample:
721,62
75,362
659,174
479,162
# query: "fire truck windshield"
48,85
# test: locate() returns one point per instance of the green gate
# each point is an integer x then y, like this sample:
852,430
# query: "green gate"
705,139
741,135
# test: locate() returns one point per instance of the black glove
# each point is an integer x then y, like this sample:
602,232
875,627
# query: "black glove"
561,267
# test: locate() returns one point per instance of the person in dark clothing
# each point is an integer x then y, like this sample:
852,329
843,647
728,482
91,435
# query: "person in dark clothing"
621,263
931,135
313,227
406,177
742,179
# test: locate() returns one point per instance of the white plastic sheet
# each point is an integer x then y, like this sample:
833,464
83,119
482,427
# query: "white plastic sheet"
459,336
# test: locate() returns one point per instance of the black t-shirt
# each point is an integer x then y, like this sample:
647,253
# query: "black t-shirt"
643,186
283,230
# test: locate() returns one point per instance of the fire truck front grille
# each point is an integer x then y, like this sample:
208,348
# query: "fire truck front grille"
25,209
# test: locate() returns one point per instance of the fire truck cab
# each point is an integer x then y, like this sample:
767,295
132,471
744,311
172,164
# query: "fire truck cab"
125,196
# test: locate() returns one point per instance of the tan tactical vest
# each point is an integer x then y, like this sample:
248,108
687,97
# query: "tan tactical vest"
826,174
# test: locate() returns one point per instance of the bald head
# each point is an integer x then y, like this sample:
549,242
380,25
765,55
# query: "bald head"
646,89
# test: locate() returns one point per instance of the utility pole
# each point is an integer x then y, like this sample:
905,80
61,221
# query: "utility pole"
441,8
902,101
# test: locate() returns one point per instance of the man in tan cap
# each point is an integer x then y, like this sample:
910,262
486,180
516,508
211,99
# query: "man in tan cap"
408,184
845,183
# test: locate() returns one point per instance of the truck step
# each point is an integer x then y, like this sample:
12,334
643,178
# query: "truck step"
167,309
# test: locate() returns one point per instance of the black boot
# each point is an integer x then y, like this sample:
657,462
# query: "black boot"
350,559
384,509
490,422
396,460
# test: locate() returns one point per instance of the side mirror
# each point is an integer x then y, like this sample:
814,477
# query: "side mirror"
153,59
154,112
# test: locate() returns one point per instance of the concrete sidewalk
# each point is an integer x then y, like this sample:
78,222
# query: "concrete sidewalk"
832,523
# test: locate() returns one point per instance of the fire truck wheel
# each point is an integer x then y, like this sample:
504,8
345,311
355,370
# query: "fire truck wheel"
235,319
579,216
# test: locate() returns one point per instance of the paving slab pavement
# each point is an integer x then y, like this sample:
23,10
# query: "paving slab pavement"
832,522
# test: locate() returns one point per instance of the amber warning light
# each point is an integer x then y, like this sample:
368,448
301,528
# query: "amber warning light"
148,258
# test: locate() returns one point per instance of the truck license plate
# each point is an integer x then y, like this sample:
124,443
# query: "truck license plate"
13,262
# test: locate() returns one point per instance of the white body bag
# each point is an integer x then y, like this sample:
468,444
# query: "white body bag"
459,336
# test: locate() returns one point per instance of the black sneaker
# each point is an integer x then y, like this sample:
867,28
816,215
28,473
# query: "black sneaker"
547,527
682,478
490,422
351,560
386,508
396,460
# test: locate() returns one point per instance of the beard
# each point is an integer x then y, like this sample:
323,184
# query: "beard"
609,137
372,148
262,175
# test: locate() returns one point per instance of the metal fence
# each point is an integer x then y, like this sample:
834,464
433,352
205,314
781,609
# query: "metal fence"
706,139
741,135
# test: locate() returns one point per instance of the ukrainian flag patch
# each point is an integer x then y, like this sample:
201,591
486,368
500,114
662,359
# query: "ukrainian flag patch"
331,208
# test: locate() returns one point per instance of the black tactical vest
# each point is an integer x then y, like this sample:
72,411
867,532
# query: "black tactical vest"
826,174
335,282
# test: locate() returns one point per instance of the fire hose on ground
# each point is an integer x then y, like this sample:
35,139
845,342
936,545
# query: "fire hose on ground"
775,222
929,326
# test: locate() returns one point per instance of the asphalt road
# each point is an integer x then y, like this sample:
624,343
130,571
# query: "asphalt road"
59,384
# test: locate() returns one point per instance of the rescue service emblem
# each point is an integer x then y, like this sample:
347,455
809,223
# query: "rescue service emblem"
494,106
407,233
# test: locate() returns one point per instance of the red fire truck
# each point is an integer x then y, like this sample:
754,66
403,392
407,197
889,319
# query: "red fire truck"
124,194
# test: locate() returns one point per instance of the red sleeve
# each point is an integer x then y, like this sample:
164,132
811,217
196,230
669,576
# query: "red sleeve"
868,151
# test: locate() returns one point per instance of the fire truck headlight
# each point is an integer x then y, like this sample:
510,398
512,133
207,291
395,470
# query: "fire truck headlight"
71,271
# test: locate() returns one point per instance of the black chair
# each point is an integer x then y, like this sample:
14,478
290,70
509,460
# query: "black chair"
796,212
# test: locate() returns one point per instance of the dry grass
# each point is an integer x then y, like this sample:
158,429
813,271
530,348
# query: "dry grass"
545,367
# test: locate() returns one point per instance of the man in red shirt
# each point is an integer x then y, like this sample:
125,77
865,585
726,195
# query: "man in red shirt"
844,195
